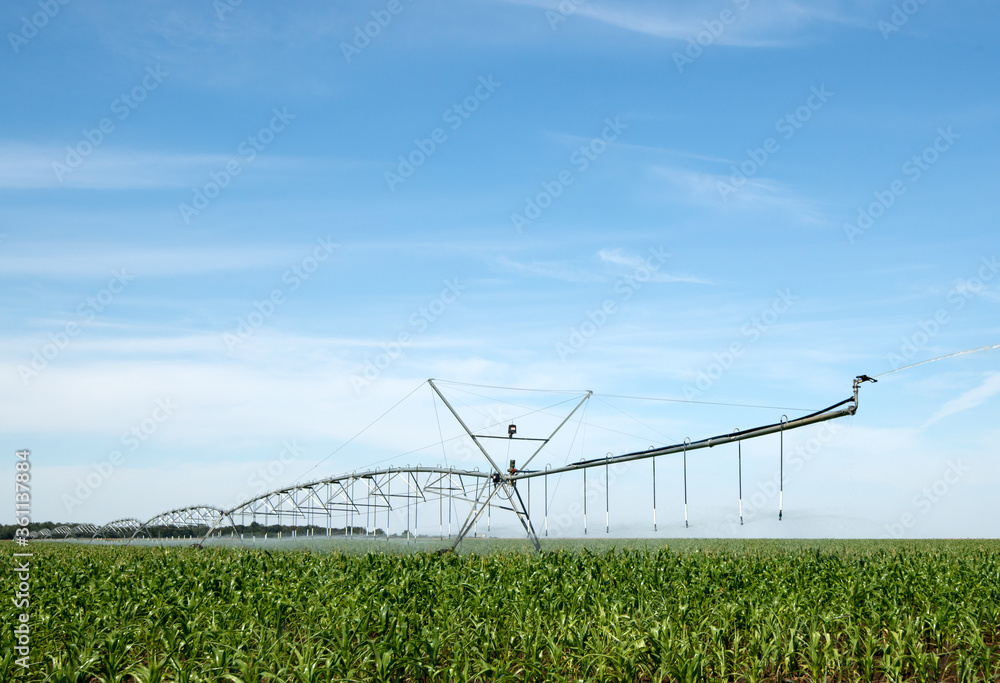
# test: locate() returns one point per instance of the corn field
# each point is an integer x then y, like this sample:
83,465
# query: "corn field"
864,611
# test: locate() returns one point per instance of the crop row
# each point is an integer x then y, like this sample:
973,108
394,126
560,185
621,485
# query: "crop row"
226,614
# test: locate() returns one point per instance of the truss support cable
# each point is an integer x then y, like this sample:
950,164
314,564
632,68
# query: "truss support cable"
343,445
491,386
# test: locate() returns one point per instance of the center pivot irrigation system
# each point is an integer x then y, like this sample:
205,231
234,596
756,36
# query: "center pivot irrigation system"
364,500
504,482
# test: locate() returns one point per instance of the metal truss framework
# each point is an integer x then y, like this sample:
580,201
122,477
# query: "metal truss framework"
78,531
386,500
181,521
364,501
120,528
361,502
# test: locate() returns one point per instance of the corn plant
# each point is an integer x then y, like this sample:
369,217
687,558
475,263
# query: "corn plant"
715,611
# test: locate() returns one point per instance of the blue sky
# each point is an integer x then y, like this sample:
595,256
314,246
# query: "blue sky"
236,210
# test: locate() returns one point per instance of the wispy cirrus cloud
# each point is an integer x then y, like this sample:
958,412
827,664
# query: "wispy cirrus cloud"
775,24
753,194
31,166
565,271
969,400
611,262
26,166
619,257
75,260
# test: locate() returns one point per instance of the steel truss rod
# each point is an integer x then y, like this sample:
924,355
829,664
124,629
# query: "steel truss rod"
297,502
468,431
265,499
510,490
475,513
503,482
556,430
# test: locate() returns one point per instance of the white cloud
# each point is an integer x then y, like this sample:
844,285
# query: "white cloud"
27,166
554,270
568,272
89,260
774,24
755,194
618,257
969,400
34,166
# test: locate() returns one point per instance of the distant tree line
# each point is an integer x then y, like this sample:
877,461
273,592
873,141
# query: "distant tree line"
7,530
259,530
254,529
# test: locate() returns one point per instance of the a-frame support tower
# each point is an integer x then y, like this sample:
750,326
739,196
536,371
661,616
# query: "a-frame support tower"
503,481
